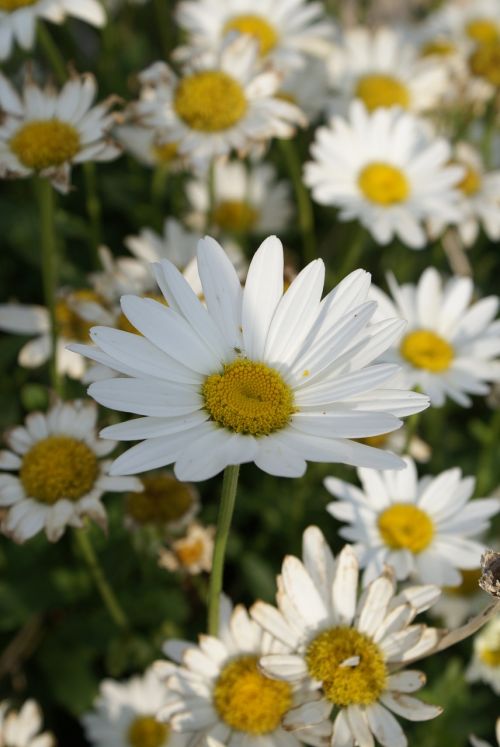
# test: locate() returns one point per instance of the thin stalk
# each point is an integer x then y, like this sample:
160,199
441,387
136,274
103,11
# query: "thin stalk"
52,53
226,509
354,252
487,469
107,594
93,210
411,430
164,22
211,196
304,204
158,185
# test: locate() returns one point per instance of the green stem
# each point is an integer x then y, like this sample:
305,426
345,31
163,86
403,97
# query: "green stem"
111,603
226,509
52,53
354,252
93,209
487,471
164,22
158,184
411,430
304,204
211,196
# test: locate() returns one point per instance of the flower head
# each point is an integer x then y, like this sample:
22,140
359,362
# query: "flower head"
21,728
192,553
485,664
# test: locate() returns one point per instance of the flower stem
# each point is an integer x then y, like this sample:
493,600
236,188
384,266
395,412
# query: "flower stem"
353,253
93,210
211,196
228,497
304,204
164,24
108,596
52,53
411,430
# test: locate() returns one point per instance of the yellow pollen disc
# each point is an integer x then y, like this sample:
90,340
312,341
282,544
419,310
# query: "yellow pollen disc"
71,325
45,143
490,656
257,27
425,349
10,5
379,90
471,182
469,585
146,731
378,442
440,47
485,63
126,325
164,499
165,153
58,467
189,551
248,397
404,526
235,216
383,184
247,700
359,684
483,31
210,101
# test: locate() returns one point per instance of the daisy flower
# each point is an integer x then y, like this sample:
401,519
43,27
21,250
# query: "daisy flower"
21,728
450,346
307,87
221,693
383,68
419,527
246,199
45,131
475,742
385,170
192,553
219,104
286,31
348,651
124,715
163,501
52,475
256,376
485,664
18,19
146,145
475,22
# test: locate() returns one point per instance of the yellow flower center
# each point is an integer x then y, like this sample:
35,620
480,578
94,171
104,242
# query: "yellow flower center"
210,101
71,325
165,153
248,397
58,467
11,5
235,216
163,500
490,655
379,90
485,63
441,47
471,182
482,31
255,26
189,551
404,526
146,731
425,349
247,700
383,184
45,143
469,585
345,681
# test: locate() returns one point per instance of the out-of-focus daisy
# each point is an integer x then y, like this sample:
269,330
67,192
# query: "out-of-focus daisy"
349,651
18,19
397,442
479,203
191,554
163,501
307,87
450,346
221,693
383,68
146,145
476,22
219,104
385,170
119,275
285,30
246,199
53,476
21,728
485,664
255,376
45,131
475,742
458,603
419,527
125,715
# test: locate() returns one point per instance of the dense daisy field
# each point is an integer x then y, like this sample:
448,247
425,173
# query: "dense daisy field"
249,373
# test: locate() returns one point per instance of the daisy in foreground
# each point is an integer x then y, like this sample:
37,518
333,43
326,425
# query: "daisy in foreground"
451,346
485,664
350,652
53,475
21,729
256,375
45,131
385,170
419,527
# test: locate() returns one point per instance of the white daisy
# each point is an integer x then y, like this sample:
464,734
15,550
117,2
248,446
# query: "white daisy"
471,21
419,527
257,375
385,170
285,30
45,131
475,742
146,145
124,714
163,501
18,19
221,694
52,476
190,554
450,346
349,651
21,728
383,68
119,275
246,199
219,104
307,87
485,664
